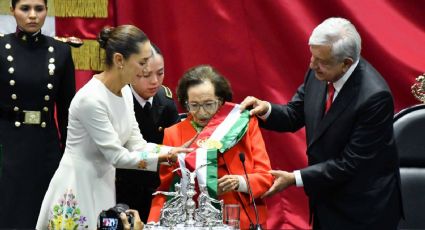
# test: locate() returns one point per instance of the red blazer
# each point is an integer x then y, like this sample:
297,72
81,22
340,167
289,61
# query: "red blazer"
257,164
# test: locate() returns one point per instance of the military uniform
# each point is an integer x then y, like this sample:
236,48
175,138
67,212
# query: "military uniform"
36,74
134,187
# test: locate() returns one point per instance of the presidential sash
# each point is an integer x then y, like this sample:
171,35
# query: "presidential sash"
225,129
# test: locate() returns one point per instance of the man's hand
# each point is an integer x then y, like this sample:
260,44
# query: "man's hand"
282,180
138,224
259,107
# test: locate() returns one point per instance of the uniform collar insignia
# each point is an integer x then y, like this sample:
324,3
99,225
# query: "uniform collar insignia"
28,37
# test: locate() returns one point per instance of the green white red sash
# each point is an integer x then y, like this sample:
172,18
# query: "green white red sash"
224,130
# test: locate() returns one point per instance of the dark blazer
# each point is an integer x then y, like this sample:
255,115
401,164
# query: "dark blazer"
352,180
134,187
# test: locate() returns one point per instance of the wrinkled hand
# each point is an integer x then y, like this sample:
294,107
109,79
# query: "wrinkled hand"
283,179
259,107
138,224
227,183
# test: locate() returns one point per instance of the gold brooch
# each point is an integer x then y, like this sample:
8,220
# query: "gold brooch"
209,144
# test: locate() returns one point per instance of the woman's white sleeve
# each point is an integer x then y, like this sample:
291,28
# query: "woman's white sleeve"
143,156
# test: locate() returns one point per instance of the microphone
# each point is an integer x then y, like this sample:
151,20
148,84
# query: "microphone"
257,226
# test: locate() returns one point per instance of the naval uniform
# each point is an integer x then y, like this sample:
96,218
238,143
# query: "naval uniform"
36,75
134,187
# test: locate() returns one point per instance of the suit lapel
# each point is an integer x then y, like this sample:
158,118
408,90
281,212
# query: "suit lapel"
341,102
320,89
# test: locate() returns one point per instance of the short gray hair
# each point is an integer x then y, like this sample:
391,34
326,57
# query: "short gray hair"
341,35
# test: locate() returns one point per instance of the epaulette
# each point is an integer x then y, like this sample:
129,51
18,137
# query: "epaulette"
1,35
168,92
72,41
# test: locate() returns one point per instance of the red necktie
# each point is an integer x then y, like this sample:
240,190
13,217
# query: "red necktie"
331,92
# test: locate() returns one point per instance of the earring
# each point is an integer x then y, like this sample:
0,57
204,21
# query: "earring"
121,67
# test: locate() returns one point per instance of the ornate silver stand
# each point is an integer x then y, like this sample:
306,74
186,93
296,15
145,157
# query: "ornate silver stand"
180,212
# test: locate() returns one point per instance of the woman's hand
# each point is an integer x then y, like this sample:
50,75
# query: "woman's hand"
171,156
227,183
138,224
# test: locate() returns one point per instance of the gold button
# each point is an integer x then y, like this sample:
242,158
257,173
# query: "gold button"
51,72
47,98
13,96
43,124
160,128
12,82
17,123
11,70
45,109
51,60
10,58
16,108
49,86
51,49
8,46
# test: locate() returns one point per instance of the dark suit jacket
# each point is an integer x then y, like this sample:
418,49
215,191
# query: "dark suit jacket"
352,180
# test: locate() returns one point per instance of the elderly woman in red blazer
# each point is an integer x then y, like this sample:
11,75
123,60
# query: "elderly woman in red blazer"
204,92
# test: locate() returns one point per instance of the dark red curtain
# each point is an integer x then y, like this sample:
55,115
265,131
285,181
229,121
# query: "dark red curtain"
261,47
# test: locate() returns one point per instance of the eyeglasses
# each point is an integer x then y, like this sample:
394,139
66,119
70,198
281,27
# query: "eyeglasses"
209,106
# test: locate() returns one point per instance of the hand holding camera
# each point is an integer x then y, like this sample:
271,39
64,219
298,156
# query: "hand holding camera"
120,217
137,222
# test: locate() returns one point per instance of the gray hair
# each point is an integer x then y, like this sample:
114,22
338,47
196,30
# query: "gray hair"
340,35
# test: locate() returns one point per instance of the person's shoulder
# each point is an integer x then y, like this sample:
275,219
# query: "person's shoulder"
90,95
164,96
165,92
370,77
63,42
71,41
56,46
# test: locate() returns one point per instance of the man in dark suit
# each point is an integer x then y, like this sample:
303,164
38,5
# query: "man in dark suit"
155,110
352,179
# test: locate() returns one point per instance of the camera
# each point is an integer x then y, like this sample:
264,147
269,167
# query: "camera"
110,219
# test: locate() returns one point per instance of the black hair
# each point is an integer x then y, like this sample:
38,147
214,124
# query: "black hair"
156,48
14,2
199,74
122,39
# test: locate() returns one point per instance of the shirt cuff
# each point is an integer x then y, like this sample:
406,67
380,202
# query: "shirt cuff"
242,184
269,110
298,178
148,161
